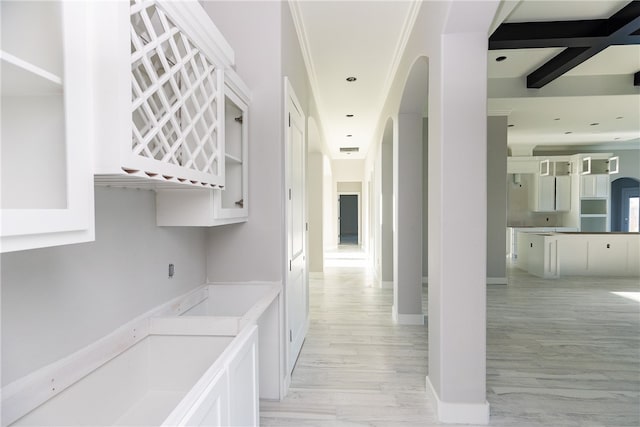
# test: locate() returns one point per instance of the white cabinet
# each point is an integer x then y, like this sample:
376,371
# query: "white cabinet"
230,203
543,194
46,175
594,186
158,94
563,193
599,165
551,193
212,409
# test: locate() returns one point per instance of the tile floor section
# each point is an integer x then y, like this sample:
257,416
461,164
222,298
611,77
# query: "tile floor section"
559,353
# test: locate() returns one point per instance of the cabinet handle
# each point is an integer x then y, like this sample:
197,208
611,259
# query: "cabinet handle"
608,246
531,244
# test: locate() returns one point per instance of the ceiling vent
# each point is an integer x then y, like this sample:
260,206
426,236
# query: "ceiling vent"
349,149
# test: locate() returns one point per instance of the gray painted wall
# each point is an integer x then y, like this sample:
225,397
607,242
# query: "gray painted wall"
254,250
57,300
496,196
266,47
316,208
387,209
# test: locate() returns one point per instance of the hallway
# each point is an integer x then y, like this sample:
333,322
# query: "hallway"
559,353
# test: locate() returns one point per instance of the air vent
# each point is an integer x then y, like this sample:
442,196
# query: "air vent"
349,149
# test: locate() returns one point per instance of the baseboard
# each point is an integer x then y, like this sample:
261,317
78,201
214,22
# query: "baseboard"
496,280
459,413
386,284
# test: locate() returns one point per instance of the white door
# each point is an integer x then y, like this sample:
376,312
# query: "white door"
296,283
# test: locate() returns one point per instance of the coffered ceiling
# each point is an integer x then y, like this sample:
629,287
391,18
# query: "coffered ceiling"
595,102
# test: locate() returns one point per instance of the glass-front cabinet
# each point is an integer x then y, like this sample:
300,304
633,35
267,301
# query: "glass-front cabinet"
230,203
46,175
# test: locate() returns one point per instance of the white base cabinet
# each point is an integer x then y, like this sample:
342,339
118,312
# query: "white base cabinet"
170,379
552,255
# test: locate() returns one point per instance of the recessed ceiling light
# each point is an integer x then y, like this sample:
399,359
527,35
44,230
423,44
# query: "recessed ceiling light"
568,132
501,58
349,115
351,79
594,124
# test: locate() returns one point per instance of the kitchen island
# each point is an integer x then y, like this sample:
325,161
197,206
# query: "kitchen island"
552,255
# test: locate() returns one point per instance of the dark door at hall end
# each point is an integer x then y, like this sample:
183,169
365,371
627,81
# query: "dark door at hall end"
348,219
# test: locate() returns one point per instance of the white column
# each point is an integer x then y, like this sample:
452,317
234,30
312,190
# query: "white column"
457,229
407,236
386,247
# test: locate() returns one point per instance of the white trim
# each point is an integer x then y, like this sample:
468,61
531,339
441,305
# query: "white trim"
458,413
496,281
410,319
386,284
316,274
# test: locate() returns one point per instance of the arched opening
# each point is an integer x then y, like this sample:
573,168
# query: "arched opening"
625,196
409,192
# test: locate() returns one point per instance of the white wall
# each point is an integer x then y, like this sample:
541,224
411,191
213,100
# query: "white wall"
347,170
56,301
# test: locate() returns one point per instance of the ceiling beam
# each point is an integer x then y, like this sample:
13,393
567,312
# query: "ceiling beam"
636,79
583,39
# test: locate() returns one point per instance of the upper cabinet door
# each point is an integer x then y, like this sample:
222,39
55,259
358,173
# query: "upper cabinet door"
233,202
46,173
159,94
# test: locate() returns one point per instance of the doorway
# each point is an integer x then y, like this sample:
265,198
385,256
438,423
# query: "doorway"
348,219
630,210
625,196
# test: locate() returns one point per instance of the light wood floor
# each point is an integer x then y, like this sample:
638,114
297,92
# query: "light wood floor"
559,353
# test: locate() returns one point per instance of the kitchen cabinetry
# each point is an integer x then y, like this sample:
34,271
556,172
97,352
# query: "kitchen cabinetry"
599,165
550,194
158,94
230,203
46,175
594,186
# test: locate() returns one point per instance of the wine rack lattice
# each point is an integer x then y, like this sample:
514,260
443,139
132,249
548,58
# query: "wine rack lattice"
175,94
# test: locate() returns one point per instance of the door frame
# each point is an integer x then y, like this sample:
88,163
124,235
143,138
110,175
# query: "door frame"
289,94
626,194
359,213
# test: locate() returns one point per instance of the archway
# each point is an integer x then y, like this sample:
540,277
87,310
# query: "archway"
408,197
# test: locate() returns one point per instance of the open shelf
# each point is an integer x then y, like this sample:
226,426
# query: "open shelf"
21,78
232,159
